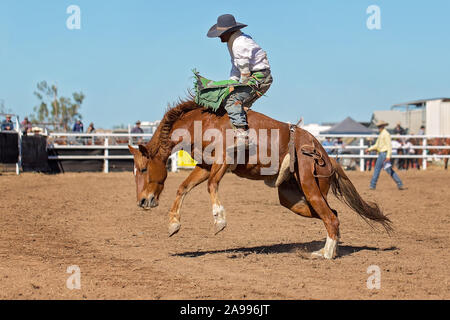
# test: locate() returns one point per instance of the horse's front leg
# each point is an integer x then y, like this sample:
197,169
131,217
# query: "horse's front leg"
197,176
217,173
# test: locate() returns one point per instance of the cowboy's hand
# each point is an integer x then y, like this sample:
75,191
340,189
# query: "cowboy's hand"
245,77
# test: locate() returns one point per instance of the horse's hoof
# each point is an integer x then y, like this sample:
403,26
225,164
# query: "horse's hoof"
322,254
318,254
329,256
174,228
220,225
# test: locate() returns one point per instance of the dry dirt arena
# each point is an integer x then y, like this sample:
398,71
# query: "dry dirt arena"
51,222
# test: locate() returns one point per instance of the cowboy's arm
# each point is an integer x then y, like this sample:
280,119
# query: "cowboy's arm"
234,74
244,69
242,55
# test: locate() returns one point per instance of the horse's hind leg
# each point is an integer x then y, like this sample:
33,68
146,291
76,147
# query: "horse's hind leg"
316,199
217,173
292,197
197,176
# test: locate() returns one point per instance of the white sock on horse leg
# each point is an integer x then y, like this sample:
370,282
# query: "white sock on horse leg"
329,251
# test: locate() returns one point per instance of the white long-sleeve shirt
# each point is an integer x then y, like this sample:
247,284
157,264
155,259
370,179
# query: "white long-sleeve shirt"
246,55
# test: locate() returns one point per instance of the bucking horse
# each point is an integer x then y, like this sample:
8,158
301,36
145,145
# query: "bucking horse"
303,172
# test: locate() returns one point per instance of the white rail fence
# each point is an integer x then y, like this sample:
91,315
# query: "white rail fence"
425,147
120,141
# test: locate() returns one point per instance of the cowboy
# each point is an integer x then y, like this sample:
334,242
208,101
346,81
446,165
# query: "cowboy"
248,61
383,146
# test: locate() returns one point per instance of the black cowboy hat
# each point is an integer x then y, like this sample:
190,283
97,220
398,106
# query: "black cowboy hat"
225,23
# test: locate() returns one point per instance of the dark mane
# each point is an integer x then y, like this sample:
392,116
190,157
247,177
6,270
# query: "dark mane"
162,135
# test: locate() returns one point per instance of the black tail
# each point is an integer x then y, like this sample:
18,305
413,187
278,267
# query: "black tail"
344,190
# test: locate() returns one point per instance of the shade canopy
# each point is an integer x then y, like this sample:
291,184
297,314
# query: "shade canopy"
348,126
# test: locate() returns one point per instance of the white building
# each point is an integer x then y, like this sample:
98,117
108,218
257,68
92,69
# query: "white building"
315,128
434,114
438,117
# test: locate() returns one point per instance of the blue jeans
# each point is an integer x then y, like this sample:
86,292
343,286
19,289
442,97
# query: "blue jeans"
234,106
244,97
379,166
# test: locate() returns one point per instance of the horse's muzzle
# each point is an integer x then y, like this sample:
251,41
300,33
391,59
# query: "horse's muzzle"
148,203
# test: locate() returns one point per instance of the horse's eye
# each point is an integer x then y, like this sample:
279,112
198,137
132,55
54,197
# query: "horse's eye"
144,170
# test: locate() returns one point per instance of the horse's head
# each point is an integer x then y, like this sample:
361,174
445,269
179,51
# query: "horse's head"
150,174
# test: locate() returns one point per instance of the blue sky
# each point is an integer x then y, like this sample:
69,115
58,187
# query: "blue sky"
131,58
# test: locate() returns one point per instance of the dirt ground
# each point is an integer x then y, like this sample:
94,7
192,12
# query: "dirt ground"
51,222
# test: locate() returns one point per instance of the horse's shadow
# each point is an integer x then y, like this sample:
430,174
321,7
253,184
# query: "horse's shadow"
306,247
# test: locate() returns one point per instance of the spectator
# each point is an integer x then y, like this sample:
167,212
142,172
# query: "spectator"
36,131
26,126
340,148
78,126
412,162
383,146
91,128
421,131
399,129
137,128
339,143
402,150
7,125
396,146
328,143
370,162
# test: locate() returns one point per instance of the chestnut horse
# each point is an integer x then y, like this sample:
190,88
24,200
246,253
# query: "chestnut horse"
303,175
441,152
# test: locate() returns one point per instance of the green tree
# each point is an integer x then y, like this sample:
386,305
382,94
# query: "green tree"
59,111
3,108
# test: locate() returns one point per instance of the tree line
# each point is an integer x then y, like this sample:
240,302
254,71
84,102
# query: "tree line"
54,109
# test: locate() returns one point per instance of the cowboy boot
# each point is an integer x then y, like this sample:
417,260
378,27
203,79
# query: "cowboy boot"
241,140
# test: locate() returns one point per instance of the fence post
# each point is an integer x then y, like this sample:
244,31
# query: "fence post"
19,142
174,162
19,160
106,154
424,154
361,153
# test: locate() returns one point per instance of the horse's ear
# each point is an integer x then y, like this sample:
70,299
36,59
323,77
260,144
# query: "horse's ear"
144,151
132,150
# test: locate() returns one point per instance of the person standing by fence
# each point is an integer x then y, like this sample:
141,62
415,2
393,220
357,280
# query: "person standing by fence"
327,143
383,146
137,129
7,125
91,128
78,126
